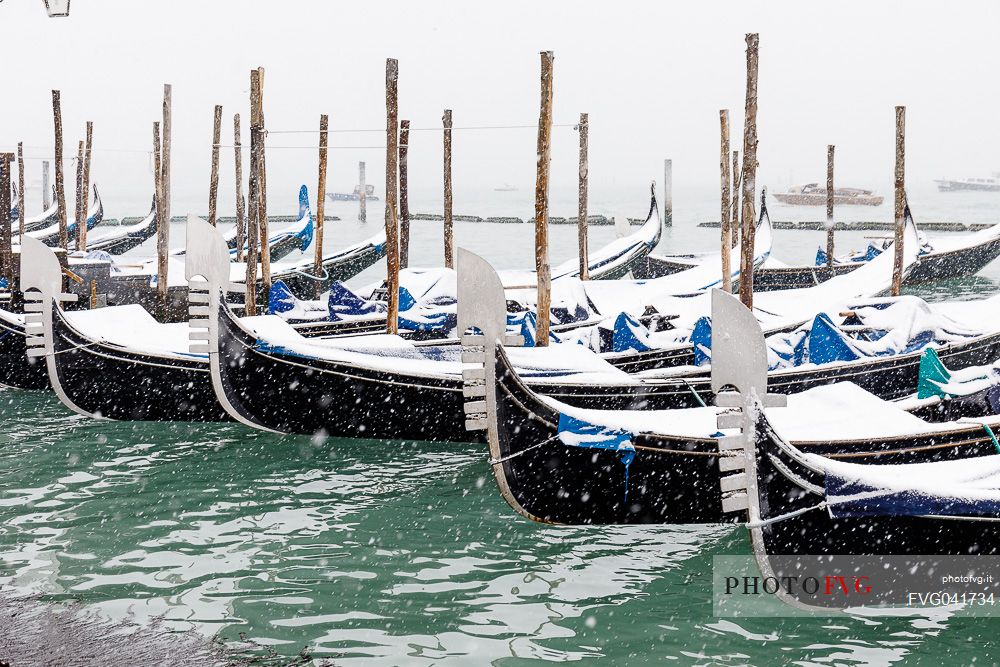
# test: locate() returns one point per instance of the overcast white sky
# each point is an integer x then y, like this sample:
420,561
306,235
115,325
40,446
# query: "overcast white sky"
652,76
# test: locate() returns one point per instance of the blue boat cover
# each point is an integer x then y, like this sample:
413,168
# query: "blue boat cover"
933,375
630,335
580,433
701,341
343,301
827,343
528,322
280,299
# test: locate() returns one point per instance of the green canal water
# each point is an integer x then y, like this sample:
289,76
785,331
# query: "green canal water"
377,552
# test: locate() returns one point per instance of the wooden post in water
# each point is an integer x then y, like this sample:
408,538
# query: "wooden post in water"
734,217
213,183
60,178
253,210
449,239
391,155
88,149
749,221
262,221
81,236
726,244
404,195
900,183
46,186
362,193
324,122
829,206
241,234
163,209
544,149
6,251
581,212
161,221
20,189
668,193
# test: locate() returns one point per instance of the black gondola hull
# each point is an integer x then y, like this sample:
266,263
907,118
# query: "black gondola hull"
16,369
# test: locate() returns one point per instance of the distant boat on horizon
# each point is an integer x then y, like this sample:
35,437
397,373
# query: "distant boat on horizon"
506,187
812,194
961,184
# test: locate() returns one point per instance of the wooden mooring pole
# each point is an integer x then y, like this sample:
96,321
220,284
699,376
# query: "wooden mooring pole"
391,228
6,250
253,210
749,222
581,212
726,244
900,192
60,177
668,193
362,193
449,238
404,195
78,216
241,233
261,165
213,182
324,123
163,210
88,151
734,215
20,189
161,221
544,149
46,186
829,206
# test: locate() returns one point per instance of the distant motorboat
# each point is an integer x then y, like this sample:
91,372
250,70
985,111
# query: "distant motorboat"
506,187
812,194
353,196
959,184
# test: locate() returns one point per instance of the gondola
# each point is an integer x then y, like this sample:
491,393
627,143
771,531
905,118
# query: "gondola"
558,464
951,258
111,362
126,237
34,223
50,235
16,370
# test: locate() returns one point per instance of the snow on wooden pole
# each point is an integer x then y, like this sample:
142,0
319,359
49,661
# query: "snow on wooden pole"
253,210
734,216
60,177
88,150
324,123
404,195
241,236
391,155
543,154
749,221
581,213
46,186
6,250
829,206
20,188
724,226
262,221
81,236
668,193
163,212
213,183
161,221
449,238
362,193
900,183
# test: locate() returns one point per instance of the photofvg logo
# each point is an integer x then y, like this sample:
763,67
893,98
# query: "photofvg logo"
793,585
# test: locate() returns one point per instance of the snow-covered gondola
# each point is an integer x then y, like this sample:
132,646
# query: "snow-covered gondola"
36,222
50,235
953,257
564,464
116,362
125,237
